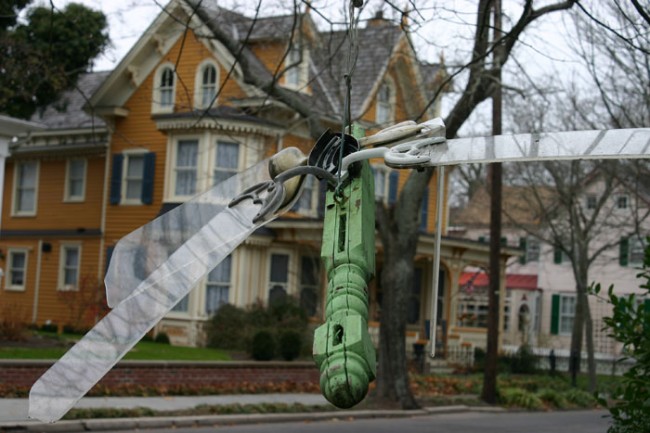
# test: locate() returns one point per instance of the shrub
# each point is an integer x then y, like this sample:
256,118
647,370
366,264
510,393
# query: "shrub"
49,327
13,323
517,397
290,344
162,338
227,328
553,398
579,397
234,328
630,325
524,361
263,346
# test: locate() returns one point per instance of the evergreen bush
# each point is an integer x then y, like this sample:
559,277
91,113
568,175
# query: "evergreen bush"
161,338
263,346
524,361
630,325
228,328
290,344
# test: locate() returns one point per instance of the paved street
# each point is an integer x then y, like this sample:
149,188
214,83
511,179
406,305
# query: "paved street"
470,422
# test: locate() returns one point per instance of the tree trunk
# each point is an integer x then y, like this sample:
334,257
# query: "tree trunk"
392,378
577,331
398,228
589,339
582,277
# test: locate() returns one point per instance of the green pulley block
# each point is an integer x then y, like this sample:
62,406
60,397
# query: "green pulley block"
342,347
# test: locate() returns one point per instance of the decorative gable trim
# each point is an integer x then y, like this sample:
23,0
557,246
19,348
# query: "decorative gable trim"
147,53
210,123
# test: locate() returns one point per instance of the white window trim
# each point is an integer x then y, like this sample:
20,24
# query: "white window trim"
207,147
198,84
61,284
291,273
312,211
531,240
627,202
231,285
635,241
156,106
391,102
212,158
183,314
172,151
14,208
67,197
125,166
564,296
8,285
588,198
386,171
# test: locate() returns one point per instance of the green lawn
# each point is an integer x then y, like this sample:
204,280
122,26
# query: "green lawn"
144,350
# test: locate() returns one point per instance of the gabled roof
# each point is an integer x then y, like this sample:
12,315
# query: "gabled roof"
518,203
108,91
376,46
68,111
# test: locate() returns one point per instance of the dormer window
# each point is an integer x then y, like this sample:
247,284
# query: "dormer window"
296,75
164,89
385,102
293,63
206,85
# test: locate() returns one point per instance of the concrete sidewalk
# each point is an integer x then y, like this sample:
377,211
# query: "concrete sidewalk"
12,408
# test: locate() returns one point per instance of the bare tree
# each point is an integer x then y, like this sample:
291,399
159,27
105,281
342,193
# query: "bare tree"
397,224
613,48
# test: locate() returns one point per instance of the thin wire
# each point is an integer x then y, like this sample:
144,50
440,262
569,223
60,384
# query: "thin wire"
353,53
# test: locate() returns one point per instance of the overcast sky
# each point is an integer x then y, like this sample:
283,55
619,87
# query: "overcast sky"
128,19
447,29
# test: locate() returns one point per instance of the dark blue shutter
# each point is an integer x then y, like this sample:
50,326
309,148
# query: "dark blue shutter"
116,178
148,174
109,254
424,210
393,180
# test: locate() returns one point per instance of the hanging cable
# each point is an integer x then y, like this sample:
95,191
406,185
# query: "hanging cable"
352,55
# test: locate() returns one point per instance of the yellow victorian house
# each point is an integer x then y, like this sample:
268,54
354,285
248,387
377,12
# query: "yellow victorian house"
181,113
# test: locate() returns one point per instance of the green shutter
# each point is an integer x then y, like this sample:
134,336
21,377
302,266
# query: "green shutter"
504,241
481,239
555,314
557,255
522,247
623,251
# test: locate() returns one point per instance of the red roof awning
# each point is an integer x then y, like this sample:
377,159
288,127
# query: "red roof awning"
513,281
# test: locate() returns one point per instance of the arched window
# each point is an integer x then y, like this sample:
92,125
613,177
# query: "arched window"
385,98
208,88
167,88
164,89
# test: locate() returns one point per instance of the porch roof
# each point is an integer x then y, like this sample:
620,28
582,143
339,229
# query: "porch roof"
513,281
